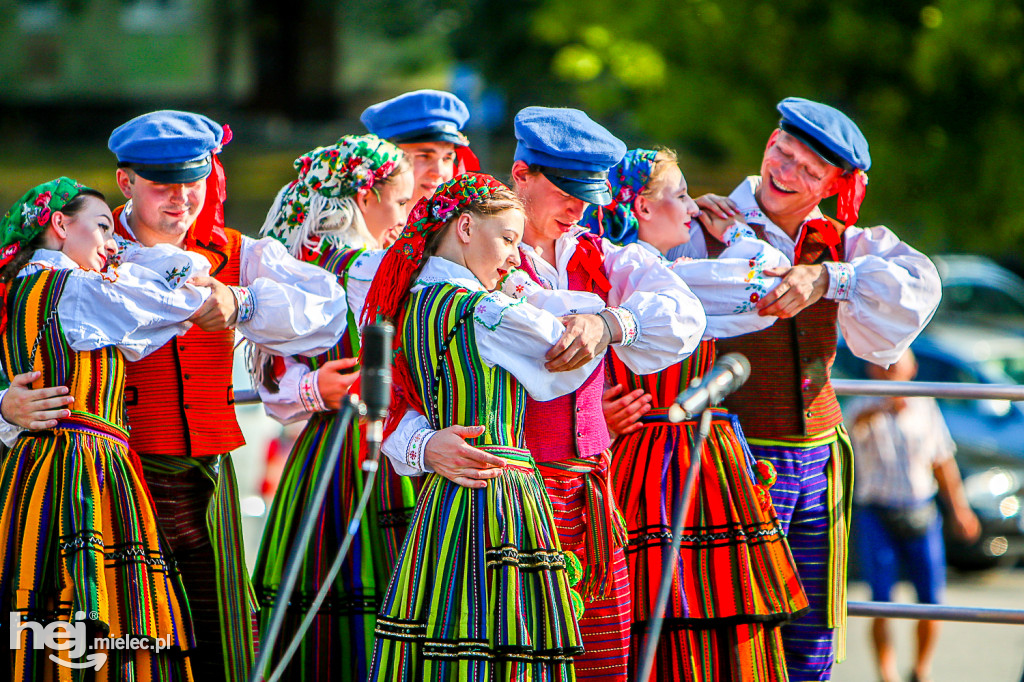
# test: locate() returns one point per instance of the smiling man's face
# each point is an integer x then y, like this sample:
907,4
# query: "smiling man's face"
793,179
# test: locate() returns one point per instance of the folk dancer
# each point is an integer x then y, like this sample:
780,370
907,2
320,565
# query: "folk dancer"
81,545
735,579
879,290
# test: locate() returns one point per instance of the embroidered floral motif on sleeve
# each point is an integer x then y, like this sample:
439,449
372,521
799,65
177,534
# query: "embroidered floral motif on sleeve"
309,393
491,309
627,321
840,281
757,285
176,275
737,232
517,284
246,303
417,447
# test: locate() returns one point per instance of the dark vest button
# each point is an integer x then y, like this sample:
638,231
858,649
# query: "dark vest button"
808,413
579,434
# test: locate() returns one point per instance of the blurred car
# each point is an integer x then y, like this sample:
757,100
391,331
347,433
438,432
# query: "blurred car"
977,290
989,434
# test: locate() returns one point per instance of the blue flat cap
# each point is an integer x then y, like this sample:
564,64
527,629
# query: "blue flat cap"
573,151
419,116
167,146
828,132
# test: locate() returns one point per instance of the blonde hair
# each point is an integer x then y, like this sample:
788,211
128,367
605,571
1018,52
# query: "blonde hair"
664,160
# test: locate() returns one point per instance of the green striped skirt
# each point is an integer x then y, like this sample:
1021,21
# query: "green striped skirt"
481,590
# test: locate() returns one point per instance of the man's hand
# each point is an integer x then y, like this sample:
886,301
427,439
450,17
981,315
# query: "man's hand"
585,338
722,208
623,414
220,310
34,409
334,382
801,286
449,455
966,526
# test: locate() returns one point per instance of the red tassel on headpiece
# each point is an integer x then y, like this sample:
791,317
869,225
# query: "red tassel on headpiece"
6,256
852,188
209,226
465,161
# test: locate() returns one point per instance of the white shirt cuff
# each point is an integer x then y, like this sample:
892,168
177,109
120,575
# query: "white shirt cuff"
309,393
627,322
246,303
417,449
8,432
840,280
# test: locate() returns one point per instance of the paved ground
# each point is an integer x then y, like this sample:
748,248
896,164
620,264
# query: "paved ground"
967,651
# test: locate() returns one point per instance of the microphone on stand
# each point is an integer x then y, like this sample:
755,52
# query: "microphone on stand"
726,376
376,385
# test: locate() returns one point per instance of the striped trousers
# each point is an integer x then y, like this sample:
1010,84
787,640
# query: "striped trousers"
811,498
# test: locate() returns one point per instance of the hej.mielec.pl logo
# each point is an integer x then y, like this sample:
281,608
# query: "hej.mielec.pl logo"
71,637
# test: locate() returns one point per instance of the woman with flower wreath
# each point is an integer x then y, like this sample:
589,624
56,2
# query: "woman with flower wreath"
348,201
735,578
79,541
481,590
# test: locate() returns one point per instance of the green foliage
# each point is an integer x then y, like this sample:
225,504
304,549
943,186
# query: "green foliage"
937,87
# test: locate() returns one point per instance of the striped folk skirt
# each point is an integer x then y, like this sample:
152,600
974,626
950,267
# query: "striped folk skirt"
735,578
481,590
79,543
339,643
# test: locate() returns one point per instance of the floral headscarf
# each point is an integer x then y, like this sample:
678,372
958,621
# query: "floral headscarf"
391,284
626,180
27,219
327,176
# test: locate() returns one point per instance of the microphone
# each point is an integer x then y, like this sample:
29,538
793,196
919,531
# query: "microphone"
376,379
726,376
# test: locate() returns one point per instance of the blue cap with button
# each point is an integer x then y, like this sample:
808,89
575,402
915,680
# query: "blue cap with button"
571,150
167,146
419,116
828,132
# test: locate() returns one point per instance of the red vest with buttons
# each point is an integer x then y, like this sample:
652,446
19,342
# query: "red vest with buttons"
572,425
789,393
180,399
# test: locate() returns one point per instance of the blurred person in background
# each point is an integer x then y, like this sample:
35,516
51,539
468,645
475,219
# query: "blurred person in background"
735,580
879,290
904,456
427,125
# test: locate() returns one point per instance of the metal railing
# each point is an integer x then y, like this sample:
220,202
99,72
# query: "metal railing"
933,389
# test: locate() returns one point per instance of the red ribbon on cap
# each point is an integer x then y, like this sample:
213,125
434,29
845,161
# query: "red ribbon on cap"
209,225
852,188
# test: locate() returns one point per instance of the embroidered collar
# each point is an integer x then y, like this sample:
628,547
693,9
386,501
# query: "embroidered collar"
438,269
46,259
565,247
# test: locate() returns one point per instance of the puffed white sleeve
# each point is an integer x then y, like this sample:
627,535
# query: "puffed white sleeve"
518,285
297,397
661,319
730,286
888,291
515,336
131,306
286,306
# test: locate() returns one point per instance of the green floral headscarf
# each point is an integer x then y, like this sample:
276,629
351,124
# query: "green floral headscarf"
328,176
27,218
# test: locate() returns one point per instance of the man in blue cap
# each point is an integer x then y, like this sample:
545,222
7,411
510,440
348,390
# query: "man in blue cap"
651,319
879,290
427,125
180,399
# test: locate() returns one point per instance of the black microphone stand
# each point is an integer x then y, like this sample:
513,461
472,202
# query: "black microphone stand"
290,575
680,504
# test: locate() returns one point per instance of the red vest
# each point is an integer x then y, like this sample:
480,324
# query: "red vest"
572,425
180,399
789,393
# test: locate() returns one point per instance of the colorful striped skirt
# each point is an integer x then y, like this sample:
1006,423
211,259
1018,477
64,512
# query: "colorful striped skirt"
80,544
481,590
339,643
735,568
